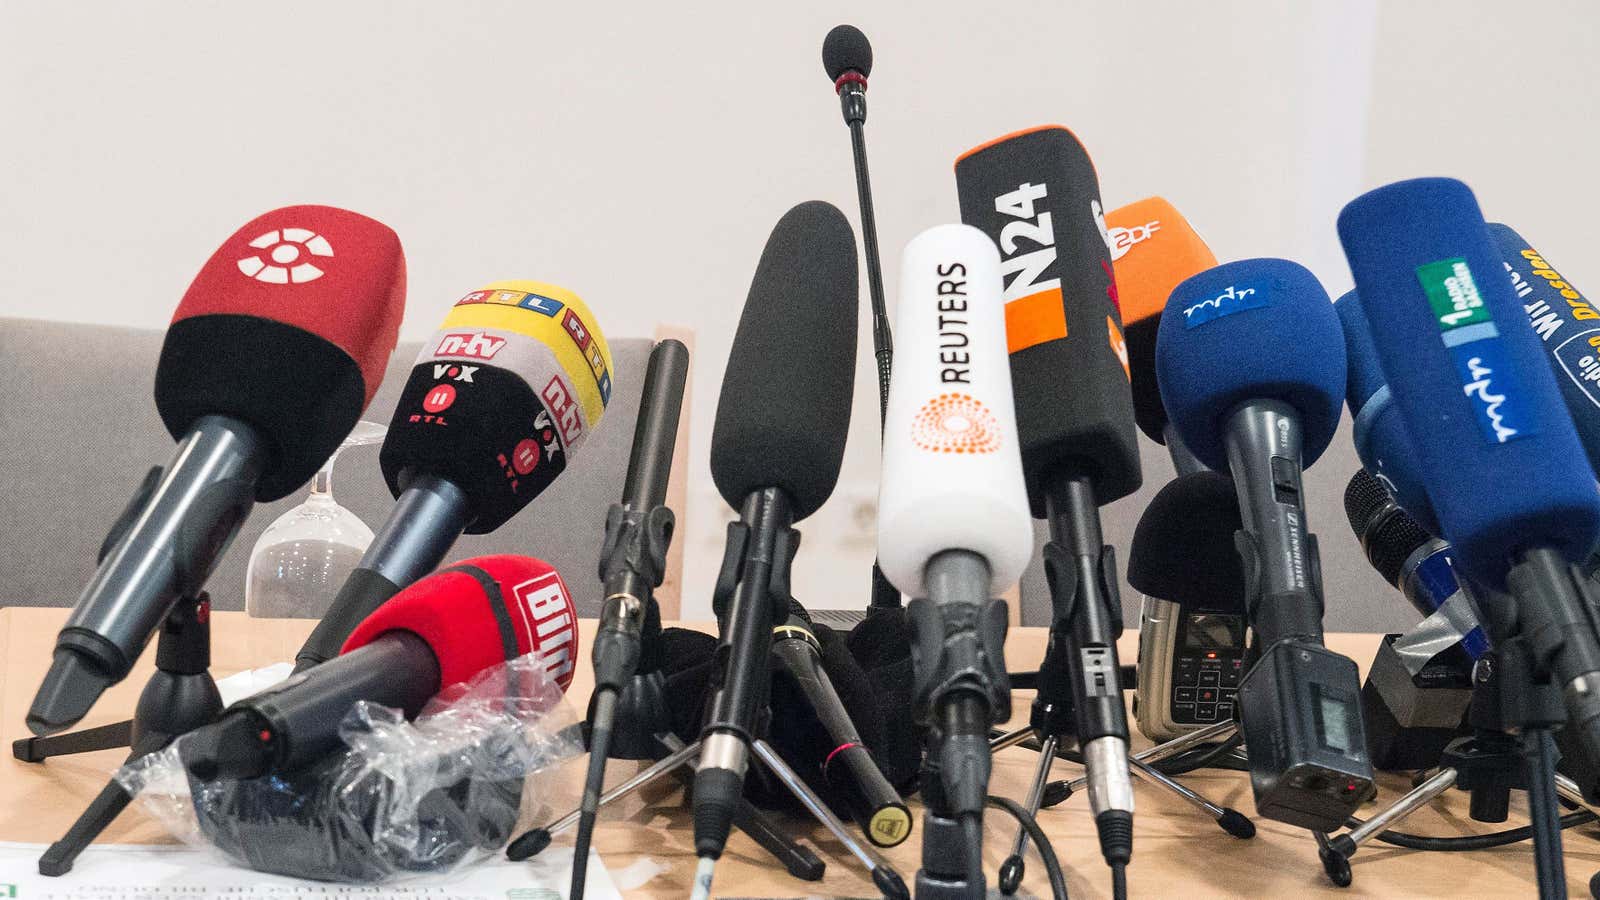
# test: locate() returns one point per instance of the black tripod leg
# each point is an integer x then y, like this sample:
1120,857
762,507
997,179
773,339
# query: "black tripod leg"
57,860
105,737
797,859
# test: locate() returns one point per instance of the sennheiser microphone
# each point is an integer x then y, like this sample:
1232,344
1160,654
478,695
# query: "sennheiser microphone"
277,347
1481,405
1567,324
953,522
1153,248
848,768
1382,443
1251,364
440,631
776,448
501,398
1036,195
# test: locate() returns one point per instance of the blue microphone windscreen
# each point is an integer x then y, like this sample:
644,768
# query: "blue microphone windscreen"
1256,329
1499,456
1381,440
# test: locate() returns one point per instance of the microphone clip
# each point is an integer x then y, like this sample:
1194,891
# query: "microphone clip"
959,649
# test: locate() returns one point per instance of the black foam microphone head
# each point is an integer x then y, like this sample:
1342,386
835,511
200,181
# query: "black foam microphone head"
1035,193
1183,547
846,49
784,411
1387,533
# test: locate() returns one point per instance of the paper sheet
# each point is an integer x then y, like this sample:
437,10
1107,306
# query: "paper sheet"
136,872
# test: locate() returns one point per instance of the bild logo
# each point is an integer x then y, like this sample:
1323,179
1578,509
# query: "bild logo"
1232,299
288,253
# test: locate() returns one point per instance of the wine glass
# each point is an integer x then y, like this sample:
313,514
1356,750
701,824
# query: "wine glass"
302,560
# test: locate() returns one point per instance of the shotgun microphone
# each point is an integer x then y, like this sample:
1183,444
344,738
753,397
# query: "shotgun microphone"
277,347
501,398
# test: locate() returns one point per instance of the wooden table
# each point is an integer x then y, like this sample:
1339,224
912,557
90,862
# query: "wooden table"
1177,851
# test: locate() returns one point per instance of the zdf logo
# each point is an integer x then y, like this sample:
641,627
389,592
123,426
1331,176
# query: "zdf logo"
1122,239
288,256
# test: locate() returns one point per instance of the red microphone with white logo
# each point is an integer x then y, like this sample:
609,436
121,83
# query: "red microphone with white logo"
278,346
502,396
441,631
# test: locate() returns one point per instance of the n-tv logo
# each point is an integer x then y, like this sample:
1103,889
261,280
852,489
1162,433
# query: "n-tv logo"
1235,298
558,398
474,345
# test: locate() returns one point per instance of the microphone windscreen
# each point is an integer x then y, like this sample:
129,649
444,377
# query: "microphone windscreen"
482,612
1382,443
1499,455
501,397
287,327
1568,326
952,470
784,411
1183,549
1035,194
1256,329
846,49
1153,248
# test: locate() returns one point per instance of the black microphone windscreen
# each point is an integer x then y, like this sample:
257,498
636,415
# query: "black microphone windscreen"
846,49
1183,548
784,411
1387,533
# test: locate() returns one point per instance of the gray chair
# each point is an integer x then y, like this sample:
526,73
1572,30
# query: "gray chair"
80,431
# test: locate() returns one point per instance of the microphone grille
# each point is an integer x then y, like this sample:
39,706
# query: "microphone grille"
1387,533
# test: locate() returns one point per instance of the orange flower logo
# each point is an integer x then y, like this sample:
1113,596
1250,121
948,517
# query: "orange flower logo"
955,423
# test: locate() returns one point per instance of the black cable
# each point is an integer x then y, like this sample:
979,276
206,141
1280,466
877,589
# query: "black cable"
1549,867
1047,851
1472,841
1119,881
972,830
1199,758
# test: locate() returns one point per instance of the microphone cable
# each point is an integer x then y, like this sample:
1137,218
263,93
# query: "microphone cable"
1047,850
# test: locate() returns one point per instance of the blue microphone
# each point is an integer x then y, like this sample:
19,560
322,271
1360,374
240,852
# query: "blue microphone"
1250,361
1382,444
1511,486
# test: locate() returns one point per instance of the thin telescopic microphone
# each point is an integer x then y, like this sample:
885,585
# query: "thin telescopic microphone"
847,57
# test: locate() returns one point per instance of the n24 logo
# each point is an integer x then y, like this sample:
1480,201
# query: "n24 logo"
1032,226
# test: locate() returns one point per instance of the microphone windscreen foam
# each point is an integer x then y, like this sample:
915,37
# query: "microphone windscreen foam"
1035,194
1183,549
1499,455
1153,248
952,469
784,411
1568,326
501,397
287,327
482,612
1256,329
846,49
1382,443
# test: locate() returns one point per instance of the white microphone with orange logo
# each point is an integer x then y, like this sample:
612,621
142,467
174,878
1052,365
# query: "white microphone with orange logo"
954,527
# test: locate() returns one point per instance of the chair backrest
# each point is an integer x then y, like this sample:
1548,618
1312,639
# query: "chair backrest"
76,440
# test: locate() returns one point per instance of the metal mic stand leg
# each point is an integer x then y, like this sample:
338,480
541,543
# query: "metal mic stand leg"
180,697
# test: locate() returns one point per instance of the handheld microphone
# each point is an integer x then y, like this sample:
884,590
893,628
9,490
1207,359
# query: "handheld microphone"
1153,248
276,348
1264,416
1480,401
1382,443
441,631
953,524
501,398
1036,195
776,448
1567,324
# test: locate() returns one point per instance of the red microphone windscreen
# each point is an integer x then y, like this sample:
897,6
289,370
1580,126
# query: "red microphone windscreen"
288,327
482,612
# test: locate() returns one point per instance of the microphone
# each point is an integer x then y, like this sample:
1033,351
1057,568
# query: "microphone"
848,769
500,399
274,351
1382,443
1036,195
1183,551
1264,417
953,524
776,448
1153,248
441,631
1568,326
1480,401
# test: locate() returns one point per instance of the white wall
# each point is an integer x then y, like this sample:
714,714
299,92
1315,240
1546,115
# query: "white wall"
639,155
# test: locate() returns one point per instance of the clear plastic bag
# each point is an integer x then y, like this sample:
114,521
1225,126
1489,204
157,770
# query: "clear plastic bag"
406,797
